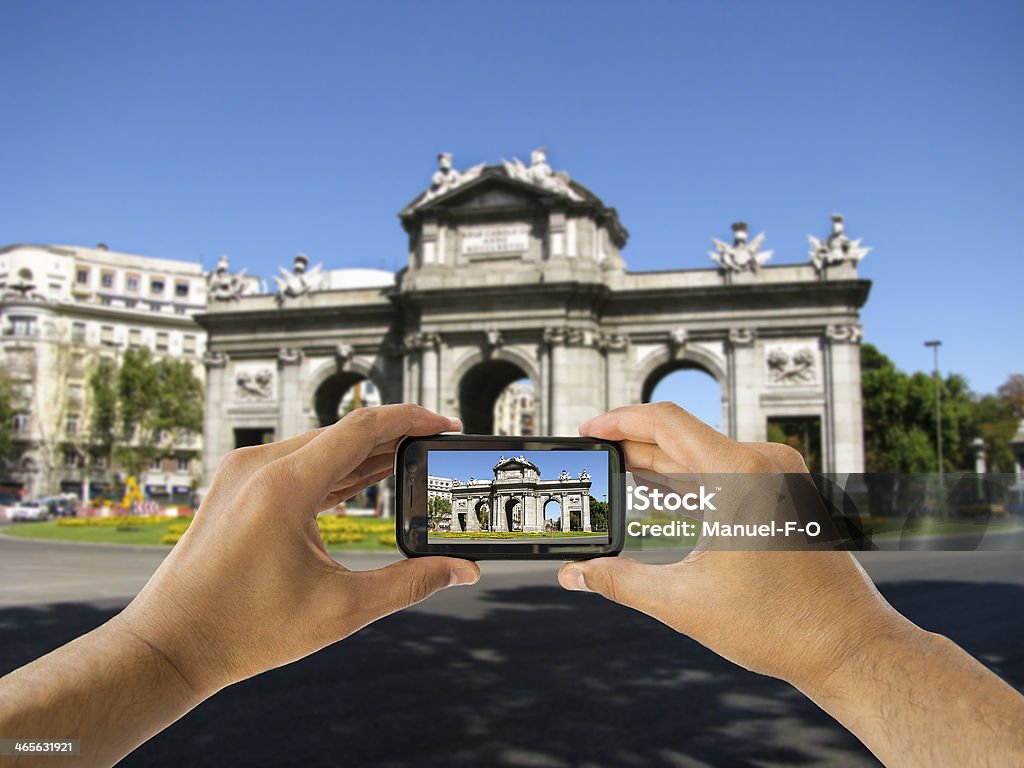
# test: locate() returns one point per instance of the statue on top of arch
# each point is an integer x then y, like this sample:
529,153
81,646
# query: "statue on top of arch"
299,282
222,285
540,174
742,255
837,248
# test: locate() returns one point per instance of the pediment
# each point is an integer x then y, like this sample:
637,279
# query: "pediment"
492,190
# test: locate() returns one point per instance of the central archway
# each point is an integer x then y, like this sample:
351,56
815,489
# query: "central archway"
479,390
691,386
342,392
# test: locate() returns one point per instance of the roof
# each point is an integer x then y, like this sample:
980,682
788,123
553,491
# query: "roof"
517,460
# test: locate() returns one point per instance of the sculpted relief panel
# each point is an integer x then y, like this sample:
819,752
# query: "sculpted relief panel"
792,364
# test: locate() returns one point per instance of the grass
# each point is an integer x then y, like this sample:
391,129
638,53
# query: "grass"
151,533
148,535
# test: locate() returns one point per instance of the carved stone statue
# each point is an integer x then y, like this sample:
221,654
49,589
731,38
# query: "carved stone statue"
221,285
584,475
837,248
255,385
741,256
540,174
299,281
563,475
791,366
446,178
678,337
494,338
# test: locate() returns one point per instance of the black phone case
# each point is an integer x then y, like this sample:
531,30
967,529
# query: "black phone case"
548,551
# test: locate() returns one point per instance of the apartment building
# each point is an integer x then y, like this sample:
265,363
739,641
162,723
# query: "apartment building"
61,309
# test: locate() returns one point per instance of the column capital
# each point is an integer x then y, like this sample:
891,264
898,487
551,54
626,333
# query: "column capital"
742,337
215,359
289,356
844,334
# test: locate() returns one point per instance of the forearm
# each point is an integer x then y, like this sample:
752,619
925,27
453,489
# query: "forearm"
109,689
916,698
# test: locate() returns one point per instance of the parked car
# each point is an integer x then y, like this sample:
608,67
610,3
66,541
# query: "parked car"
29,510
58,506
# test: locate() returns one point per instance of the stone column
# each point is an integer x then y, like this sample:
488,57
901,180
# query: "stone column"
843,399
566,517
430,371
616,369
411,373
746,377
217,432
544,393
585,515
576,378
289,393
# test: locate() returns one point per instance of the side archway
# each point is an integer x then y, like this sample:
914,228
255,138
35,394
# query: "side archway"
480,380
695,379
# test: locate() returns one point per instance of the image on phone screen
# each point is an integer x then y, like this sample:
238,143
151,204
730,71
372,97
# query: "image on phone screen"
549,496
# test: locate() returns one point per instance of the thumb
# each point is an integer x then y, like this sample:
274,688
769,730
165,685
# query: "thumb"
620,579
408,582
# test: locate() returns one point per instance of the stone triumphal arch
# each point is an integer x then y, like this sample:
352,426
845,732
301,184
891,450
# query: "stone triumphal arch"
515,272
514,499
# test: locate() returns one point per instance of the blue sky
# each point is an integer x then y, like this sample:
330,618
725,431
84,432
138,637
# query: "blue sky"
479,464
260,129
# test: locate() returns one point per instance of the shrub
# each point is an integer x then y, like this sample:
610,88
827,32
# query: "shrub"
113,520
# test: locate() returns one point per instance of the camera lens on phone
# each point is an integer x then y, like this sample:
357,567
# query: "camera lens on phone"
412,467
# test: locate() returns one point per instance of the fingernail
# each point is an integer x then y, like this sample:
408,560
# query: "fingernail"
455,424
574,576
463,575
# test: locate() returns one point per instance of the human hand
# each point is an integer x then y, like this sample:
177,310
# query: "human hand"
796,615
250,586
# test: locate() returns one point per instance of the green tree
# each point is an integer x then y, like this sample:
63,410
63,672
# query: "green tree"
598,515
899,419
9,395
103,408
141,408
438,510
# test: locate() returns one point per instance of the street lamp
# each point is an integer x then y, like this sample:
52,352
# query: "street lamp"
938,417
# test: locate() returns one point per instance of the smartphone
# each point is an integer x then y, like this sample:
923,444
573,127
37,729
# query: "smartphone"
498,497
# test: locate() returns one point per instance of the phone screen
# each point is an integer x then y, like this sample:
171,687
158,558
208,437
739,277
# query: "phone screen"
531,497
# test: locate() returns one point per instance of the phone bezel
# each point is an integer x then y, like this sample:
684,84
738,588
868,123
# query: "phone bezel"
410,495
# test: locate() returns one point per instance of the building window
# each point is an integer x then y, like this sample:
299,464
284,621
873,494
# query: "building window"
162,340
21,325
78,331
105,301
157,464
131,283
131,303
154,306
71,426
179,310
156,286
181,290
82,275
189,345
21,423
70,459
107,335
107,278
184,465
134,337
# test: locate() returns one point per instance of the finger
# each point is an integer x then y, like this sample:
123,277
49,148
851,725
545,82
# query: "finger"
680,435
334,498
787,459
647,456
623,580
411,581
310,472
239,465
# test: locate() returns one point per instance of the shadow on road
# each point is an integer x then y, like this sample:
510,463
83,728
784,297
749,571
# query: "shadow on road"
545,678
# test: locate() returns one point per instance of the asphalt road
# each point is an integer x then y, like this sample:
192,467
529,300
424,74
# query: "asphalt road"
513,672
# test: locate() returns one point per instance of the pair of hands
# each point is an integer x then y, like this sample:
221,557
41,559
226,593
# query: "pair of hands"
250,586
